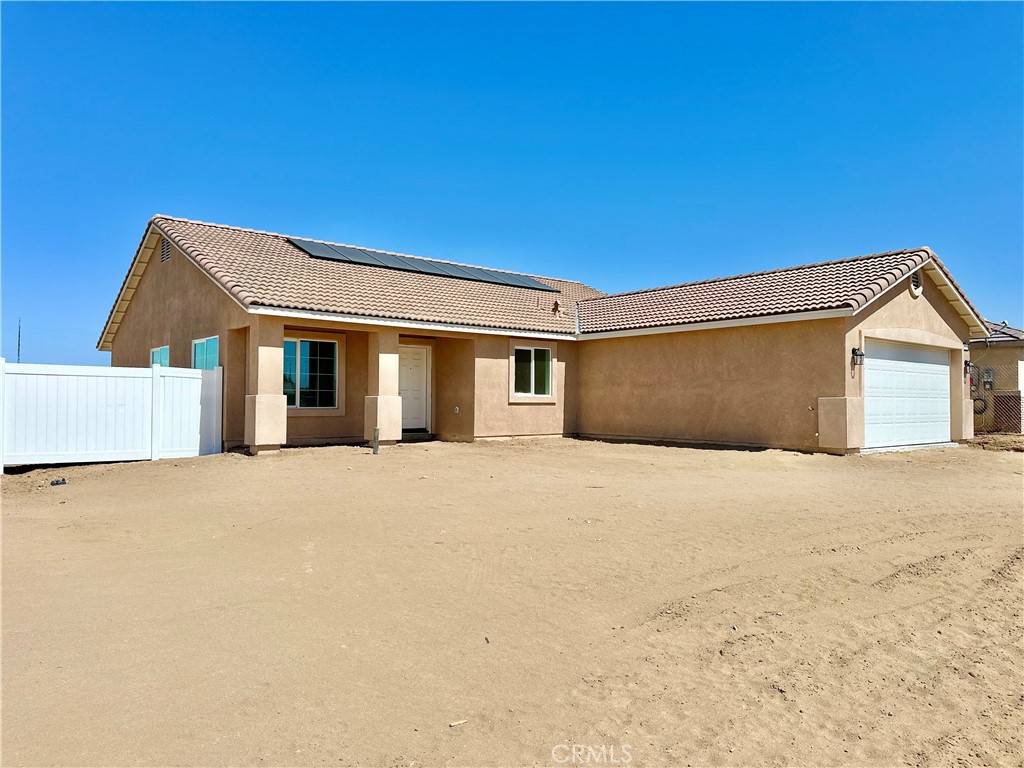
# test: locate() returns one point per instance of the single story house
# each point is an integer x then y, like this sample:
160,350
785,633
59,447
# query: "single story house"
997,379
324,342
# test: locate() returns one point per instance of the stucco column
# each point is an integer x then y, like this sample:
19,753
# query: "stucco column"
383,408
961,417
266,409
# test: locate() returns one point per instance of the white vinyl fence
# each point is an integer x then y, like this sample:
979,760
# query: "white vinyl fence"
66,414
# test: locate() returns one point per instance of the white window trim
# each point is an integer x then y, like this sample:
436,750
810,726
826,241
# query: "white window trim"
203,340
530,397
298,351
157,349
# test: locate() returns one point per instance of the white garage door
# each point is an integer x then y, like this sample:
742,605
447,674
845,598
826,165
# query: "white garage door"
906,395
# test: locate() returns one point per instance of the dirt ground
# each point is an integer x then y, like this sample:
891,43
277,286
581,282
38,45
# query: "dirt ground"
999,442
651,605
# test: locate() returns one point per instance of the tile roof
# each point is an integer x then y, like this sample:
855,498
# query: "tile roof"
264,269
831,285
1001,333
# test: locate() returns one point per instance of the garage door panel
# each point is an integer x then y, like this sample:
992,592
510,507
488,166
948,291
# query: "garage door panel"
906,395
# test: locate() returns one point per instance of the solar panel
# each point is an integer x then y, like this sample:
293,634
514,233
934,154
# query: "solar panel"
358,256
321,250
352,255
389,260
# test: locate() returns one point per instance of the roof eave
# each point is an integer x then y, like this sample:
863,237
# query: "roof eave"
144,251
949,288
147,246
398,322
735,322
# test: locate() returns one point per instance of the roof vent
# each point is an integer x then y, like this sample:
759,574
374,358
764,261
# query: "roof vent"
165,249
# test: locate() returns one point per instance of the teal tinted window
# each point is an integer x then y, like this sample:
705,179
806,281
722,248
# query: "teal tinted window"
206,353
160,356
290,378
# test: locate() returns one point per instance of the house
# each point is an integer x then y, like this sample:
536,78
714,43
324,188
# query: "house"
323,342
997,379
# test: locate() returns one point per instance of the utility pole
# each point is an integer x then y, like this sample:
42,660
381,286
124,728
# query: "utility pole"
19,339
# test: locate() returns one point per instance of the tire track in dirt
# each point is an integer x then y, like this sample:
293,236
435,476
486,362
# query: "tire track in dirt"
779,689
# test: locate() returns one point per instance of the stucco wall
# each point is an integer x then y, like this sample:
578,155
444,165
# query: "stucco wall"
495,413
927,318
344,422
454,372
753,385
1007,364
174,303
778,384
1007,370
922,317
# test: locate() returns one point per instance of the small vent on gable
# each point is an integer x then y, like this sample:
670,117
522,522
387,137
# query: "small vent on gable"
165,249
915,280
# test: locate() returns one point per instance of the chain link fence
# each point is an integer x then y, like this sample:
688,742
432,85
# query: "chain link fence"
996,391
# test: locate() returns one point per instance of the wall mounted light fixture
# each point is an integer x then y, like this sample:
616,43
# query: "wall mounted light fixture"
858,356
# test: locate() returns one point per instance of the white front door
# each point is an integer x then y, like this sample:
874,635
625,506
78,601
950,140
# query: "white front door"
412,386
906,395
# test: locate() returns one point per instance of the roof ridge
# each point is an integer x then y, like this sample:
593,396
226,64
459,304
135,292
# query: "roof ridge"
361,247
923,249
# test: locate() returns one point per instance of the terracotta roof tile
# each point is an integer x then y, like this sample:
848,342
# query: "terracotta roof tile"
847,283
1001,333
263,268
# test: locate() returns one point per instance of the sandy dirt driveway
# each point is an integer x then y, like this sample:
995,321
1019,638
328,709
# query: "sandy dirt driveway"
662,606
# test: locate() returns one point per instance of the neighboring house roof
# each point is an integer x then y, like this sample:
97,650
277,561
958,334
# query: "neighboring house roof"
1002,335
263,269
842,287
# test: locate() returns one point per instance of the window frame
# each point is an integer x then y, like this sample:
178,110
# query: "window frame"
158,349
298,366
203,341
532,398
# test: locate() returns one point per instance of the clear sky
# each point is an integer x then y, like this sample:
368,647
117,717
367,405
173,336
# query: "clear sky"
626,146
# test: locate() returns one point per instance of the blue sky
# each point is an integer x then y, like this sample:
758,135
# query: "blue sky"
627,146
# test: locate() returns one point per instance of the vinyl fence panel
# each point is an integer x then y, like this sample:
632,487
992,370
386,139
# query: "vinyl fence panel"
54,414
178,416
211,412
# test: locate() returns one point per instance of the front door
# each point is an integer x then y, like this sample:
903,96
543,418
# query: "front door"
412,386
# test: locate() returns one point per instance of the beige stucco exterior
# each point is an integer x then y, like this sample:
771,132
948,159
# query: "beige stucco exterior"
779,384
786,384
999,374
746,385
906,315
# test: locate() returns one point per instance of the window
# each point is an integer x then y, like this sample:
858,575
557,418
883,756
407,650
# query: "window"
205,353
160,356
311,373
532,371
